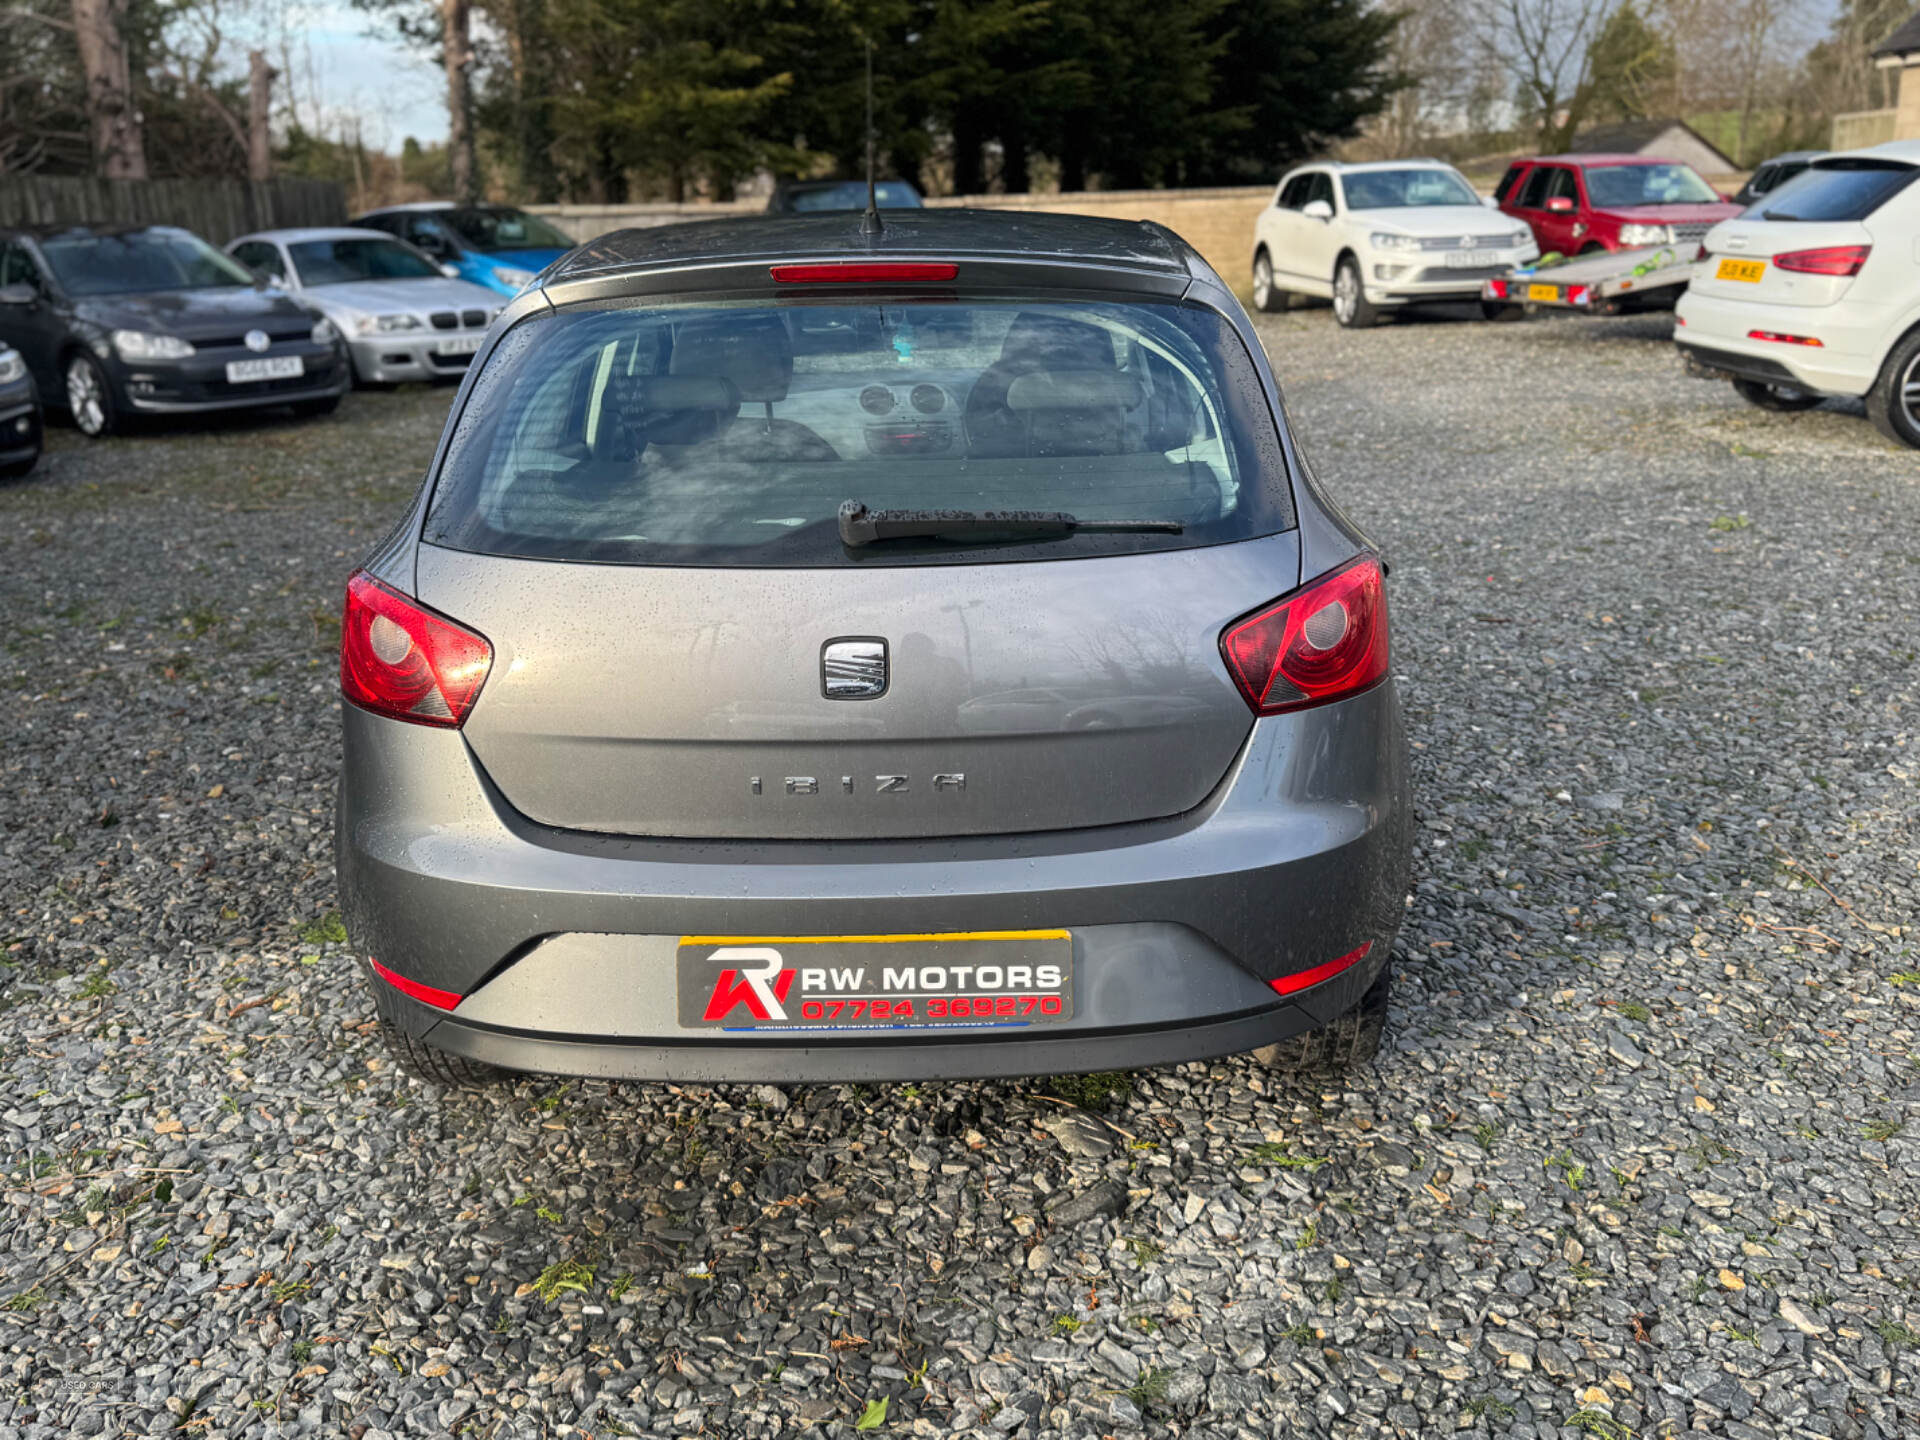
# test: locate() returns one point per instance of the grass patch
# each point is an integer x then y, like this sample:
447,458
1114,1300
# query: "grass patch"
560,1277
1149,1390
1488,1408
329,929
1880,1129
1598,1422
1090,1092
1896,1336
1634,1011
1277,1156
1065,1325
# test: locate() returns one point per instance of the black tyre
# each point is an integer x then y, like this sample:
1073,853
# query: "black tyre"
1350,305
90,399
1893,404
326,405
436,1067
1267,297
1500,312
1774,397
1346,1044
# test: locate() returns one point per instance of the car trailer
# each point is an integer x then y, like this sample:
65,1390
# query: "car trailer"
1613,282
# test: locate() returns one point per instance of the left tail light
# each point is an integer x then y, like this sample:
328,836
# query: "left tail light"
1324,642
405,662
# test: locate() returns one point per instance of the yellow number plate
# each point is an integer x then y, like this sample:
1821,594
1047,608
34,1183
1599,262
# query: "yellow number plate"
1549,293
1748,270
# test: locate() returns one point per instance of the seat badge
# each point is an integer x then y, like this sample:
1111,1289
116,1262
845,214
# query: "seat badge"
853,668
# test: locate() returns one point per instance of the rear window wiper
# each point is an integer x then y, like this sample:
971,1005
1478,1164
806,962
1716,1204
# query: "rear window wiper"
861,526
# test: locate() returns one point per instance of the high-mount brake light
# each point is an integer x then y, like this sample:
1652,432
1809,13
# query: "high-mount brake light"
1324,642
405,662
866,272
1826,260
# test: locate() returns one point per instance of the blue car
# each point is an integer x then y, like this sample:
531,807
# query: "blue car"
492,245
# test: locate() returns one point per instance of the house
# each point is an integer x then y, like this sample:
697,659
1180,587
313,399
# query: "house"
1656,139
1900,52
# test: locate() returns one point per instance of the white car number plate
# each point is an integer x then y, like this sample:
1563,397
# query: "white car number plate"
1471,259
279,367
458,345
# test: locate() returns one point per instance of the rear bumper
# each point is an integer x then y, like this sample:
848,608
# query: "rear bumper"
561,944
1714,334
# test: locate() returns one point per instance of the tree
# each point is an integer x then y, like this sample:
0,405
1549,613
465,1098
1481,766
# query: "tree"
1630,68
119,140
1543,46
456,44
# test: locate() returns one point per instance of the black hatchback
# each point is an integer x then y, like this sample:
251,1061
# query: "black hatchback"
115,321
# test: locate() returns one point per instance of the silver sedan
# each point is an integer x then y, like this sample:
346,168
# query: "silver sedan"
403,316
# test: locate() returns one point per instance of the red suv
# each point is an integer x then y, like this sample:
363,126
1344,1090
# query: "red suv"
1578,204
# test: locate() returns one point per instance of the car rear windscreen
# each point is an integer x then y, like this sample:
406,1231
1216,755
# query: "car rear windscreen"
731,434
1837,190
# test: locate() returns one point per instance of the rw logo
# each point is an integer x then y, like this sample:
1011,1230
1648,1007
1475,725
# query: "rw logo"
760,985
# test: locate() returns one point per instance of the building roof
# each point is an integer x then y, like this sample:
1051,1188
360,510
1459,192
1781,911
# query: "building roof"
1633,137
1023,234
1905,40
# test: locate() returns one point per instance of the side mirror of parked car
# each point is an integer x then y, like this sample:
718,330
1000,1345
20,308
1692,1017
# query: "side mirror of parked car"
452,272
1492,202
22,294
1560,204
1317,210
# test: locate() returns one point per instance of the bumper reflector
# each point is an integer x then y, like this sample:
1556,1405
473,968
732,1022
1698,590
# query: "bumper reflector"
1304,979
425,994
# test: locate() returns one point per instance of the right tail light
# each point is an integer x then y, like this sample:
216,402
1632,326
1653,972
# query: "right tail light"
1324,642
1827,260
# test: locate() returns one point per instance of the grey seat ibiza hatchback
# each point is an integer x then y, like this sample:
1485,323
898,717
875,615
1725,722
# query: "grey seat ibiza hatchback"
828,655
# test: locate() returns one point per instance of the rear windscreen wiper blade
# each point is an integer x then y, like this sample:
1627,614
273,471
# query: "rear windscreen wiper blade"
861,526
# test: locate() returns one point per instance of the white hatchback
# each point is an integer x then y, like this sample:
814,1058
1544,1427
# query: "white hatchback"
1815,291
1379,235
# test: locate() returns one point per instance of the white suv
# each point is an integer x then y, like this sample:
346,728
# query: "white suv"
1815,291
1378,235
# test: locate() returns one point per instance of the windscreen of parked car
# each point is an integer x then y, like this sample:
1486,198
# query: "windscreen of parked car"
887,194
1837,190
141,260
488,228
345,262
1400,189
1622,185
731,434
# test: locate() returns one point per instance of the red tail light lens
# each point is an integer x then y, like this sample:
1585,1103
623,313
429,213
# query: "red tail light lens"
399,660
1828,260
1779,338
1305,979
867,273
1323,642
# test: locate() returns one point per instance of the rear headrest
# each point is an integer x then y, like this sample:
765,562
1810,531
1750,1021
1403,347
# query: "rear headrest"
1057,341
689,392
1074,390
754,352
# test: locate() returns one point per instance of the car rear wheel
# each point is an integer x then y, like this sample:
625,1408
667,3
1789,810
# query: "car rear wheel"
1893,404
1774,397
90,398
1267,297
1345,1044
1350,305
436,1067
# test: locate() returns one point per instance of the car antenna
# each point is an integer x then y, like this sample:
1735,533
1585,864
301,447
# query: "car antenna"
870,222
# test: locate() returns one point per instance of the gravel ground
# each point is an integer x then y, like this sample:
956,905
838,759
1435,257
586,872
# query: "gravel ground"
1639,1160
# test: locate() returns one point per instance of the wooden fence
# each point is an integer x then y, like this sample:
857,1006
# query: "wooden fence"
216,210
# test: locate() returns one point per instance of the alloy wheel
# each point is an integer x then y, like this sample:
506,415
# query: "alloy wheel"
1910,391
1262,283
1346,294
84,399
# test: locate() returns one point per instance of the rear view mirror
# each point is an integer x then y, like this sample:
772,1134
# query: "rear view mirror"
1560,205
21,294
1318,210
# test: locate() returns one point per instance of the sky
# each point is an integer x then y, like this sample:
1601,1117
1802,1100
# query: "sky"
342,68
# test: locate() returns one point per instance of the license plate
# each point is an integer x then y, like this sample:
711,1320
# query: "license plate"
1747,271
981,980
1471,259
458,345
1549,293
279,367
